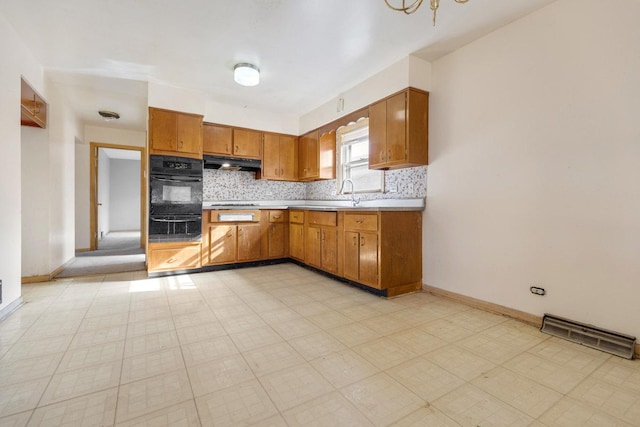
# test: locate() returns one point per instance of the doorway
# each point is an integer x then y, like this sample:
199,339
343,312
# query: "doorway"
117,197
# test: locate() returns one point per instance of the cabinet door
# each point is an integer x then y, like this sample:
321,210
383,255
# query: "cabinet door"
222,244
247,143
329,249
397,128
296,241
217,139
288,158
308,156
271,168
312,254
277,240
368,248
351,255
189,134
248,242
377,134
327,156
163,130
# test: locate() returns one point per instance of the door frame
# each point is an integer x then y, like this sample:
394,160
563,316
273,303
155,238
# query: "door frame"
93,191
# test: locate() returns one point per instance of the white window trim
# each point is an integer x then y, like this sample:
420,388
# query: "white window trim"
352,132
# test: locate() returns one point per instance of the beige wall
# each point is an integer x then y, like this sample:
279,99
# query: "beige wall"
533,175
82,175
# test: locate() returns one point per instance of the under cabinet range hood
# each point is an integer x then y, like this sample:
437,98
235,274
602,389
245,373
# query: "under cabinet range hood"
231,163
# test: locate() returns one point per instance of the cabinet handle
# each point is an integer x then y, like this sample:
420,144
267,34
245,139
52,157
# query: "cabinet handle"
359,221
355,241
171,260
226,148
228,234
389,155
382,156
237,148
361,240
276,171
281,172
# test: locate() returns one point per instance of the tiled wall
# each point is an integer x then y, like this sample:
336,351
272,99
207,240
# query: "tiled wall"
234,185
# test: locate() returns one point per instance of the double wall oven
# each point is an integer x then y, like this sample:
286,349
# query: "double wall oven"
175,199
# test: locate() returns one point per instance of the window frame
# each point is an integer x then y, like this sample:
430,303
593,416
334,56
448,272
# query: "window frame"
353,128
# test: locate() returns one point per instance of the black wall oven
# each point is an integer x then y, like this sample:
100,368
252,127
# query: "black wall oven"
175,199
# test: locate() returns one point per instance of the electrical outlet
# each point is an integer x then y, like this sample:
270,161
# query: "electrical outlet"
393,188
537,290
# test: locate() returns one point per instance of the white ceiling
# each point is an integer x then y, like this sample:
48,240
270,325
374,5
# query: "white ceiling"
103,53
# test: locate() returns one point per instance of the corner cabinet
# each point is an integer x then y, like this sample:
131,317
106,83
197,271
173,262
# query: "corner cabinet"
399,130
173,133
383,250
279,157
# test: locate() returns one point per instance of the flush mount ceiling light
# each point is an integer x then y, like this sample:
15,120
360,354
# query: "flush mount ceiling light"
246,74
109,115
412,6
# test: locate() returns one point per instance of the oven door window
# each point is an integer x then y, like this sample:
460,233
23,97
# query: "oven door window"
176,194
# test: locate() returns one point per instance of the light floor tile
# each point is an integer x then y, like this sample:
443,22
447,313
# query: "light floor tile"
272,358
329,320
24,349
200,332
275,421
150,343
183,415
255,338
68,385
545,372
384,353
191,319
344,367
426,417
85,357
95,409
620,372
99,322
219,374
571,413
518,391
17,420
203,351
417,340
148,365
152,394
316,345
446,330
476,320
150,313
295,328
470,406
329,410
359,312
148,327
311,308
291,387
242,404
99,336
19,397
386,324
382,399
235,325
17,371
426,379
460,362
570,355
354,334
611,399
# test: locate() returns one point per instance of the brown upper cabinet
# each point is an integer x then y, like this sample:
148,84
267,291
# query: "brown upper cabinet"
33,109
279,157
175,133
234,142
399,130
317,156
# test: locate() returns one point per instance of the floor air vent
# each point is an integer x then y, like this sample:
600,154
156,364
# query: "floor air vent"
590,336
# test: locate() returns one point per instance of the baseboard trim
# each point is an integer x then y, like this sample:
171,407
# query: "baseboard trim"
35,279
10,308
45,277
522,316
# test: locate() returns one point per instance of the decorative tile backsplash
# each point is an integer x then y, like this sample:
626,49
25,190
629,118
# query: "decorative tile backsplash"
236,185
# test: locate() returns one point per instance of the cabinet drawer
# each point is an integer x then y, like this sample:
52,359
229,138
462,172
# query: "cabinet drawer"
296,217
230,215
365,222
166,258
323,218
277,216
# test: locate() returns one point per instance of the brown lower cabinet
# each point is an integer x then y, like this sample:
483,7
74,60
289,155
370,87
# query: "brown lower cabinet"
378,249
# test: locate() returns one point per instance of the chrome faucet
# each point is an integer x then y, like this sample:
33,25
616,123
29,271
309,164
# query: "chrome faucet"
354,200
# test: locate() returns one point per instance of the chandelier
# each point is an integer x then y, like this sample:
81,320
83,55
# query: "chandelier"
415,4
